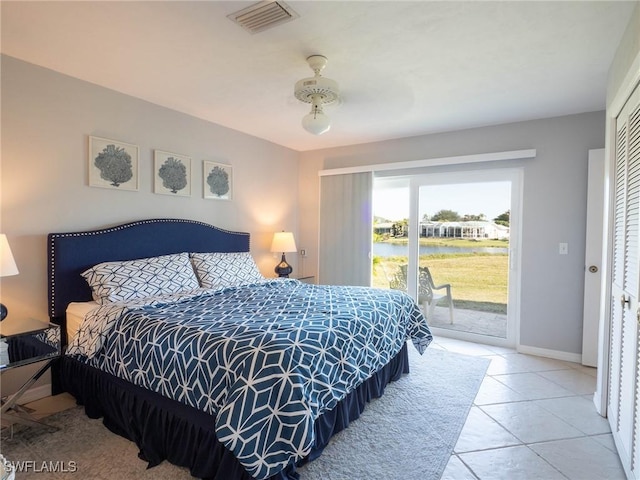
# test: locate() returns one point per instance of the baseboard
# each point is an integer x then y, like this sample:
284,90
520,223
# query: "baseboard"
597,401
556,354
36,393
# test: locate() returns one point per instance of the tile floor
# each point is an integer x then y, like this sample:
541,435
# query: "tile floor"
533,418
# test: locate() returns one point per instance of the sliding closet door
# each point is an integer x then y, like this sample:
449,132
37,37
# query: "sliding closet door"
625,310
346,229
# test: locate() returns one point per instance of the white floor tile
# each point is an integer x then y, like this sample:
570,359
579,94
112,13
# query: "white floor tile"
456,470
606,441
547,405
532,386
591,371
481,432
510,463
501,350
578,412
530,423
579,383
519,363
581,459
492,391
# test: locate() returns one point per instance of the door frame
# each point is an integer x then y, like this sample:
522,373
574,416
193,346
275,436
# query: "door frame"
593,256
515,176
627,86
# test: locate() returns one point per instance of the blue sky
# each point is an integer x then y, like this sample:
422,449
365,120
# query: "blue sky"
490,198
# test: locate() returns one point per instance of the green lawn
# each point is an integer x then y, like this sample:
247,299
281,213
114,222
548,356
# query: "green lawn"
453,242
478,281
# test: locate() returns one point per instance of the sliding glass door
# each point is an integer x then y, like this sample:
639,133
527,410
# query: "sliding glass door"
390,233
451,240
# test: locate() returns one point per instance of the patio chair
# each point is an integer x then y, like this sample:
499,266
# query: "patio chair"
428,293
399,279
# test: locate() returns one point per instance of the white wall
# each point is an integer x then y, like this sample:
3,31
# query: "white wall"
554,208
625,62
46,120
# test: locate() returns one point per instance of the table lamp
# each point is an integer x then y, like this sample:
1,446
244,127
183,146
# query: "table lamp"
283,242
7,267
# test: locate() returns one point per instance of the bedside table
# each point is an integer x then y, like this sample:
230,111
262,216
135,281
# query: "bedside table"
21,343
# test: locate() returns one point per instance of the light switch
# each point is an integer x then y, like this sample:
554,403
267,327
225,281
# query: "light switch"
563,249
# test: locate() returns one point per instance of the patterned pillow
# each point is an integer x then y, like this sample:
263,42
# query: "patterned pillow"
220,270
145,277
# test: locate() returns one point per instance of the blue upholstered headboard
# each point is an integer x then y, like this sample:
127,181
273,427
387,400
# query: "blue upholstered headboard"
72,253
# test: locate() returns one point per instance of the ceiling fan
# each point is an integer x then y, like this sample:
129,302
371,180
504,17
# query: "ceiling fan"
318,91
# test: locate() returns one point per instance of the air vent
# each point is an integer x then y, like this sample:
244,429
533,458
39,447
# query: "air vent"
263,15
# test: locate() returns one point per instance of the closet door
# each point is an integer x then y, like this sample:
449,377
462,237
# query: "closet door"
625,310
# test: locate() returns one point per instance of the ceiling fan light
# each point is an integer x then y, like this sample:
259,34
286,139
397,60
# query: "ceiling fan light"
316,122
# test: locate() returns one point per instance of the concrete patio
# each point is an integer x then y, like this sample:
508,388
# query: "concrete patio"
472,321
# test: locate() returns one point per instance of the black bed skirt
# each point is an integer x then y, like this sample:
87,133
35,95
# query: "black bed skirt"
164,429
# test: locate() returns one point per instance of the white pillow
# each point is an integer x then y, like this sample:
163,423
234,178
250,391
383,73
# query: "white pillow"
145,277
221,270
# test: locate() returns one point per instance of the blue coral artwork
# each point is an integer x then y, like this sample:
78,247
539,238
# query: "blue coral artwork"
172,174
113,164
217,181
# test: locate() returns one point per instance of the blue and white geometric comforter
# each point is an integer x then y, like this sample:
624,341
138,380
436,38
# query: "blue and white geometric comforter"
264,360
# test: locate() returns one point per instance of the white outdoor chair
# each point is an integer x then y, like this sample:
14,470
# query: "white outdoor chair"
429,294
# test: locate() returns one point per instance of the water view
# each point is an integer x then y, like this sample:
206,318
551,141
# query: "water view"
385,249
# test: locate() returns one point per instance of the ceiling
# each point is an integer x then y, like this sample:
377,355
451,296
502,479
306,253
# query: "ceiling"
404,68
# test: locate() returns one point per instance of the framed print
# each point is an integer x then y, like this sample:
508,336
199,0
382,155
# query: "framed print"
218,180
172,174
113,164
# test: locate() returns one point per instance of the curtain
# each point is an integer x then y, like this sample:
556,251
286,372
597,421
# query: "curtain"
346,226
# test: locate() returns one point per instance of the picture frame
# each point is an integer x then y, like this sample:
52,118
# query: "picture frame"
172,174
217,180
113,164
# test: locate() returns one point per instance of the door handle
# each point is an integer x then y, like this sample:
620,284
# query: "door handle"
624,299
593,269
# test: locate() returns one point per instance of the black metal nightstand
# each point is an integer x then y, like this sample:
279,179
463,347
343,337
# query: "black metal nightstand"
23,342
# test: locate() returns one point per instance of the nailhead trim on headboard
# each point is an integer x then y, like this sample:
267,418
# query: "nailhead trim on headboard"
56,236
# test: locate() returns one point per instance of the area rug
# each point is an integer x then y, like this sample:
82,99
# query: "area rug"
407,434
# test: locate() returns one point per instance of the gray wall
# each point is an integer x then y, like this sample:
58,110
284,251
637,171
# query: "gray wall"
46,120
554,208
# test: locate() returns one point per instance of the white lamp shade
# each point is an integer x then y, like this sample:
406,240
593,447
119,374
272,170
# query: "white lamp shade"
316,123
283,242
7,263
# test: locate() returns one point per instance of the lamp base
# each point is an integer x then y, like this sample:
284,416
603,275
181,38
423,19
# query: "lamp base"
3,312
283,269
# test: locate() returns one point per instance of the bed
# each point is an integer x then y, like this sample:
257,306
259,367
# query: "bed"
235,376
